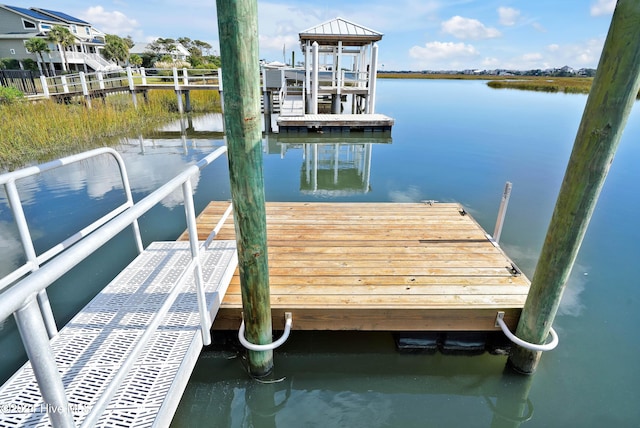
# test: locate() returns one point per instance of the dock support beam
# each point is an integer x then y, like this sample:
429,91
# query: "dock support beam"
373,74
314,77
612,95
238,28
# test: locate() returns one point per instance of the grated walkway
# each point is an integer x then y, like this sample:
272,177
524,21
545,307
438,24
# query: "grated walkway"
94,344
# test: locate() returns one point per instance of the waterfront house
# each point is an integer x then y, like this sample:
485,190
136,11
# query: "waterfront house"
18,24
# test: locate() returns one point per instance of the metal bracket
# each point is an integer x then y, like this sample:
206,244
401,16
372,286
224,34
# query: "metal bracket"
269,346
513,269
531,346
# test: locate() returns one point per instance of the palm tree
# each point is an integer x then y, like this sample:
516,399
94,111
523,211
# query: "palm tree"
38,46
115,49
63,38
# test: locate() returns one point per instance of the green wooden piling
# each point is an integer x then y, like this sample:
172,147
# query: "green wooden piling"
238,31
608,106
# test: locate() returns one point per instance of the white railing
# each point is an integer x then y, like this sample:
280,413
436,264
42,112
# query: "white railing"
28,283
130,79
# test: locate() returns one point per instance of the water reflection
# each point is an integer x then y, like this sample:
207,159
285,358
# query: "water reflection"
322,381
332,165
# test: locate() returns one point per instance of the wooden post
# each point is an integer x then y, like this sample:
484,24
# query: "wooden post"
85,89
373,73
315,77
100,80
132,87
266,102
307,76
187,100
221,92
238,28
45,86
176,85
65,85
612,95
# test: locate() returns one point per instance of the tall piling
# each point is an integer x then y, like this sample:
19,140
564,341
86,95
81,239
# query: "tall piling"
238,32
612,95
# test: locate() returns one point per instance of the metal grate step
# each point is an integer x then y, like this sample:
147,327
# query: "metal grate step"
90,349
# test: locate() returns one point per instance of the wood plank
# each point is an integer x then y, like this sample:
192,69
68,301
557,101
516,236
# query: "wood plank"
468,319
378,266
390,289
350,280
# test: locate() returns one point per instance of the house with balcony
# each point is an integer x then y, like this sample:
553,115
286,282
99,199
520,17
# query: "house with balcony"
18,24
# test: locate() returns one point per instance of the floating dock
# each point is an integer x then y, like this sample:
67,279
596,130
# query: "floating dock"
378,266
334,123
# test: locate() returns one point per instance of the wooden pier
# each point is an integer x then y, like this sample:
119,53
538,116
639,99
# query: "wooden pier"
378,266
334,123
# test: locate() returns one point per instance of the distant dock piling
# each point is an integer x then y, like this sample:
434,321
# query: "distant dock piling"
612,96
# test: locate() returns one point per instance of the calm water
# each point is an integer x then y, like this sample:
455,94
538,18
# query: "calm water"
453,141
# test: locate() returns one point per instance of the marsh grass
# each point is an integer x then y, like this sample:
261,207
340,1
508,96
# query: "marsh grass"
33,132
567,85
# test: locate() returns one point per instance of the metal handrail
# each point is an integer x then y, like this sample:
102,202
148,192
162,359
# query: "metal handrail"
19,299
14,297
9,180
34,261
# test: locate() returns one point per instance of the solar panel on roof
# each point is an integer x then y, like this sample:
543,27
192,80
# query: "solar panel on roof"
64,16
31,13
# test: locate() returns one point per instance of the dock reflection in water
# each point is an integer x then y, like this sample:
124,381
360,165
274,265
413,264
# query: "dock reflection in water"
332,165
317,383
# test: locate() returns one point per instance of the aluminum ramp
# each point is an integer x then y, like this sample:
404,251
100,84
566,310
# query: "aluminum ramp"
292,105
90,349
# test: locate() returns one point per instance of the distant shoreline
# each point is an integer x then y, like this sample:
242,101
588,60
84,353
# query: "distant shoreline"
569,85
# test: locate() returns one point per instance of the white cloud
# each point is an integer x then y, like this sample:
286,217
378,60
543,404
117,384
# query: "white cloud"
603,7
508,16
585,54
553,47
289,42
490,62
538,27
532,57
10,245
444,55
411,194
111,22
467,28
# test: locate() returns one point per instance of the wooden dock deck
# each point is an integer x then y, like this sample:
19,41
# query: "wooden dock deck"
378,266
335,122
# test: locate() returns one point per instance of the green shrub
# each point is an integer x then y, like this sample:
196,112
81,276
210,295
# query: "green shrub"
9,95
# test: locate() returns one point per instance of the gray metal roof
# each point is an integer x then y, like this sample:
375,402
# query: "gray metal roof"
340,29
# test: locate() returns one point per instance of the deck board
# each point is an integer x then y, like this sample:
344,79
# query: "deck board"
378,266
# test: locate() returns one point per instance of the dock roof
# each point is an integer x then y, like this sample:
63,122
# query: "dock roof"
339,29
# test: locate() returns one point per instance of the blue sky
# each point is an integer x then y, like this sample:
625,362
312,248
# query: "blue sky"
418,34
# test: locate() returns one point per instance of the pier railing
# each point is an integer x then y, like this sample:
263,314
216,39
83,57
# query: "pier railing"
23,292
130,79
